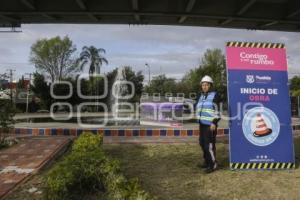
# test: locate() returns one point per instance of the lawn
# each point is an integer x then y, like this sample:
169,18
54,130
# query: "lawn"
169,171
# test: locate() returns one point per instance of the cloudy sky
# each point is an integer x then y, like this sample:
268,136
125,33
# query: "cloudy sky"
172,50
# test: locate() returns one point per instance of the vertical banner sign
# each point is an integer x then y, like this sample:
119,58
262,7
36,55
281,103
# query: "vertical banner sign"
259,106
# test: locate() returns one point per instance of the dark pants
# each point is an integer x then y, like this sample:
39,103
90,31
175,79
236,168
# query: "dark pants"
207,141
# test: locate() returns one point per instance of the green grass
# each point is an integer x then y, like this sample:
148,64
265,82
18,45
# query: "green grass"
169,171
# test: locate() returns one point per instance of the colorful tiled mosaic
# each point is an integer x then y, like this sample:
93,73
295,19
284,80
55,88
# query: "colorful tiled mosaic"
120,132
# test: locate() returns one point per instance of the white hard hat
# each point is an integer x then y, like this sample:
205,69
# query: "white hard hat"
206,79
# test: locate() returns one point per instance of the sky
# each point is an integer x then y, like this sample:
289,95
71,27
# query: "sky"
172,50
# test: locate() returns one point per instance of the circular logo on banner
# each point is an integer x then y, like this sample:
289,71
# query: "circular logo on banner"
261,126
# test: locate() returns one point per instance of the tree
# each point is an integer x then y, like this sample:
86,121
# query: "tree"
161,84
54,57
42,90
295,86
92,56
3,77
7,112
296,93
212,64
21,84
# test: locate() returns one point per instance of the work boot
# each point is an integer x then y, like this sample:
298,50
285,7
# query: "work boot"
202,166
215,165
211,169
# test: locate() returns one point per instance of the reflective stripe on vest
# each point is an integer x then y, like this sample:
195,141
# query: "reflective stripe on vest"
205,109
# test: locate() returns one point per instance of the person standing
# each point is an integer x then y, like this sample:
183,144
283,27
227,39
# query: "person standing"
207,110
33,106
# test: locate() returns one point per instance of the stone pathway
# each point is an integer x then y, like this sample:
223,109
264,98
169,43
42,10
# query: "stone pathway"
22,160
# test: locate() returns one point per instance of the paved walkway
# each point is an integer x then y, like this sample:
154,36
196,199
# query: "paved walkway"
20,161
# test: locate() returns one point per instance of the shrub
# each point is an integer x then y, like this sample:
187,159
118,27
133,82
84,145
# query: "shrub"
87,169
7,141
7,113
79,172
87,142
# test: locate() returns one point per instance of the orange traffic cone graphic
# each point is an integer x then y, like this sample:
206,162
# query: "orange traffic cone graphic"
261,127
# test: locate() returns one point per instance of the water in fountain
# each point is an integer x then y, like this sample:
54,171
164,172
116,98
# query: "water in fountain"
119,91
119,98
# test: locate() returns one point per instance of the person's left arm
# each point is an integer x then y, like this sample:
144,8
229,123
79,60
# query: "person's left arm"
217,104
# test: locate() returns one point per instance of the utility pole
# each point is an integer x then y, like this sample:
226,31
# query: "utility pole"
11,80
28,90
298,106
146,64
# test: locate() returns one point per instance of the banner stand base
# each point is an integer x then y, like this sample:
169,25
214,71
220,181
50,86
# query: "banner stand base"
263,166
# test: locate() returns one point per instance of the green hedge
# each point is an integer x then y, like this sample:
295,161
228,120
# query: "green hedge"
88,170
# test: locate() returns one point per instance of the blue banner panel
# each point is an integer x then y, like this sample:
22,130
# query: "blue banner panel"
259,106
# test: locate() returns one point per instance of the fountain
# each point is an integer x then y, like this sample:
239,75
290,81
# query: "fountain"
119,93
119,100
121,112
